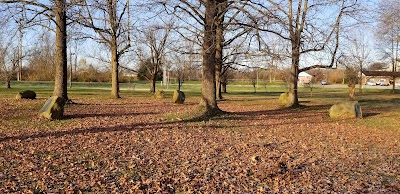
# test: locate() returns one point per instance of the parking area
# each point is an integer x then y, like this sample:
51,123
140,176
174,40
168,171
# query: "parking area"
364,86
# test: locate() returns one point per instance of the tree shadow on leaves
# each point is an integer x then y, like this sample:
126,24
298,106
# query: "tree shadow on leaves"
301,112
288,110
93,115
93,130
370,114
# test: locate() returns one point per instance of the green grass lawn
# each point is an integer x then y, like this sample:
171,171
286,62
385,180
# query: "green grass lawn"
381,108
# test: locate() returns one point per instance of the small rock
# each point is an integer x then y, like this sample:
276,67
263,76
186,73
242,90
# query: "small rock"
178,97
27,94
159,94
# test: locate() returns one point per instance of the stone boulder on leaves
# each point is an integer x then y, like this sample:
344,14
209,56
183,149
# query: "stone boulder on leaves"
53,109
347,109
178,97
27,94
286,99
159,94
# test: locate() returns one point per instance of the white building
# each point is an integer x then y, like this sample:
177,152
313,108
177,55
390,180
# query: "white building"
304,78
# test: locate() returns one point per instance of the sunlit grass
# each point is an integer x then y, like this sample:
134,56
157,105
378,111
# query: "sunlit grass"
381,108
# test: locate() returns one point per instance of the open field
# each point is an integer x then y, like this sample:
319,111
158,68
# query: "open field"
138,144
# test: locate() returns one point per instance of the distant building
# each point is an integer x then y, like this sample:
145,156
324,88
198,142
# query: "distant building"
385,73
304,78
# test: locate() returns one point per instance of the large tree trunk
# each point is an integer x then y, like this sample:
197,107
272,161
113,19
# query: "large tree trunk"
294,73
60,84
208,83
112,17
114,71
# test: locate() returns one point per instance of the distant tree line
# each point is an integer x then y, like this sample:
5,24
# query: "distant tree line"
215,37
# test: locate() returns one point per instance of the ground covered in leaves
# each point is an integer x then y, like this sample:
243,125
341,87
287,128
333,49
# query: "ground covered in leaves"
141,145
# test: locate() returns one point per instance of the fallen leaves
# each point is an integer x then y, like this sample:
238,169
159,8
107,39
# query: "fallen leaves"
126,145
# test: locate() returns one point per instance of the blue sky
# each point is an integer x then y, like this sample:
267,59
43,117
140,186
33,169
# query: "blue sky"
88,48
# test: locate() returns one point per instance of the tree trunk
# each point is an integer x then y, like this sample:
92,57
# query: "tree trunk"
20,53
352,87
223,86
112,18
8,83
224,81
70,68
218,80
294,72
114,71
360,78
179,84
394,85
60,84
208,65
219,47
153,83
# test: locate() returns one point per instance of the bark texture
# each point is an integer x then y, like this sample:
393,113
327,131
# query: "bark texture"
114,73
294,72
219,46
60,83
153,83
208,65
112,14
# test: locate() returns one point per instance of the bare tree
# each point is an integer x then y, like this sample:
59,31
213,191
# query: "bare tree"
180,73
201,28
214,17
9,61
54,11
209,58
225,25
234,56
359,53
351,73
389,32
9,58
303,26
156,40
22,21
41,60
75,38
377,66
110,19
179,69
219,45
